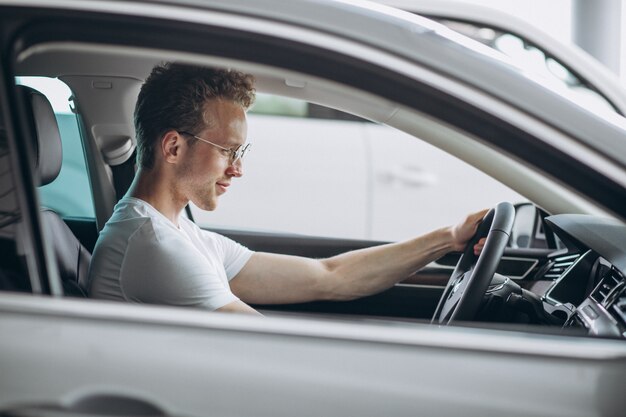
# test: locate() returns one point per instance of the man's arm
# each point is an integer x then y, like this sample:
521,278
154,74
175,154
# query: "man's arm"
280,279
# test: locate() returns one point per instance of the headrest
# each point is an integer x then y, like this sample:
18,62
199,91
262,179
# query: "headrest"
44,132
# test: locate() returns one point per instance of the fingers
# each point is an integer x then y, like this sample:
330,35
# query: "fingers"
479,215
463,232
478,247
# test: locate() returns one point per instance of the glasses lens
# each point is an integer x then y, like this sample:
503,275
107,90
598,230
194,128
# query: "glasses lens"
240,152
245,149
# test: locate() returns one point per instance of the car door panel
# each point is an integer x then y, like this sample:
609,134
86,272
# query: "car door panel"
185,362
401,301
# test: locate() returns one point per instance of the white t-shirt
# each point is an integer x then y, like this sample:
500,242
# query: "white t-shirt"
141,256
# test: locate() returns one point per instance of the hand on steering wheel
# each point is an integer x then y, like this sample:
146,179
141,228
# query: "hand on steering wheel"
467,285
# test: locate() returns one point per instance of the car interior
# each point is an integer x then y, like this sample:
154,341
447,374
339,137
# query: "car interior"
541,282
71,257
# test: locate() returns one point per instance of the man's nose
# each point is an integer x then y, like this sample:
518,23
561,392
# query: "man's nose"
235,169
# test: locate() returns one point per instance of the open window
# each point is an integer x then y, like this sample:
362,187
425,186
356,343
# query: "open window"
356,179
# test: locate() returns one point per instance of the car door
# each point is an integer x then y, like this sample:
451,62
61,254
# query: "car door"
69,357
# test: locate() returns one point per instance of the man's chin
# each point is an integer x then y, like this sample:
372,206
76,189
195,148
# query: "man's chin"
206,205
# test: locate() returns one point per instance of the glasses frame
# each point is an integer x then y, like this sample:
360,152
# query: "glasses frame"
235,154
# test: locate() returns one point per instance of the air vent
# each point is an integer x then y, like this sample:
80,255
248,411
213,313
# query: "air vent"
608,289
560,265
620,307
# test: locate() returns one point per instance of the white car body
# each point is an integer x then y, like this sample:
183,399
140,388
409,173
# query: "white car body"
60,356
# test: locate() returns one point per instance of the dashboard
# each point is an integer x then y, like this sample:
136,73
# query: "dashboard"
592,284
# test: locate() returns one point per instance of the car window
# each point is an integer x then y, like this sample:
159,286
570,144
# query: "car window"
13,275
529,55
70,193
347,179
304,175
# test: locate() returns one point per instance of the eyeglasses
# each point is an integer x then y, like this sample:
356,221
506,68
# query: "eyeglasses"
235,154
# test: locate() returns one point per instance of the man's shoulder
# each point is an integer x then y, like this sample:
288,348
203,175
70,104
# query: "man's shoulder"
205,235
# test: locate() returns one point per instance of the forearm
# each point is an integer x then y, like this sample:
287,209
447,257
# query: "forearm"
280,279
368,271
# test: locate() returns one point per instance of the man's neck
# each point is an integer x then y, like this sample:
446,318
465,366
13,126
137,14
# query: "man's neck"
154,190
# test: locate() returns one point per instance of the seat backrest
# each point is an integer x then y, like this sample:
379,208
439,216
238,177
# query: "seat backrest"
47,156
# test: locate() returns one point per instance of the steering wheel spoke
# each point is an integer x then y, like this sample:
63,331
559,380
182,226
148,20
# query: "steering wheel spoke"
454,295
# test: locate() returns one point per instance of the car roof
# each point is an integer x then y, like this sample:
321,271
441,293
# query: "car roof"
419,40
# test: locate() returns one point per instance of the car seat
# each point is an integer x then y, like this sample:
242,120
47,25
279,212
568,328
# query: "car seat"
47,154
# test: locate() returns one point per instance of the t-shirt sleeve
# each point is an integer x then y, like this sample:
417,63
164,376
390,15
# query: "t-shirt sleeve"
234,255
170,270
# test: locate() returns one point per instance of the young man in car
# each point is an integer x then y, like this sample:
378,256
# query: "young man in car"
191,139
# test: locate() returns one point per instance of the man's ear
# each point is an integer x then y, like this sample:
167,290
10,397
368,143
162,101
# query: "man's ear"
171,143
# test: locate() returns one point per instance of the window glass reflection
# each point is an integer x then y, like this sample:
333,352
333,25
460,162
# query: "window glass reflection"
528,56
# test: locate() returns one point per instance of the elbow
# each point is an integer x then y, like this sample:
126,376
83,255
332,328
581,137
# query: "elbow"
334,285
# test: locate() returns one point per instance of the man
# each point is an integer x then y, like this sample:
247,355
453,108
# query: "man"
191,138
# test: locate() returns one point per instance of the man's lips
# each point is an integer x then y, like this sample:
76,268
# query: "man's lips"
223,186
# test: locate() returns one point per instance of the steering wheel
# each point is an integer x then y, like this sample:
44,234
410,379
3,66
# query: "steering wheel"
468,283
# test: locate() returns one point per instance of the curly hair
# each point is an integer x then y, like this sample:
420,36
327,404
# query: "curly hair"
174,97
